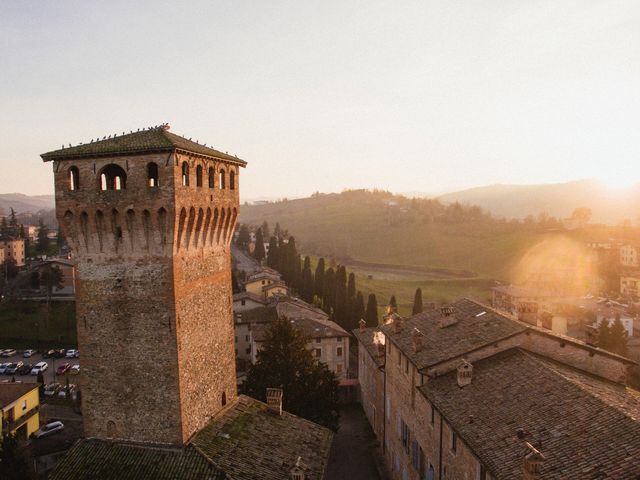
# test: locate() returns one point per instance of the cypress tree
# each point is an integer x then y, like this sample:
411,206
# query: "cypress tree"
604,334
618,337
341,305
277,232
319,279
42,244
273,255
358,311
243,236
307,282
371,314
417,302
393,304
258,252
265,230
351,286
329,291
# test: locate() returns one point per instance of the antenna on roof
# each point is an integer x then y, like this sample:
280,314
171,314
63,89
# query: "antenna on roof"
138,129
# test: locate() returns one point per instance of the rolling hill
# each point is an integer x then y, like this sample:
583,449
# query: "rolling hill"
23,204
610,206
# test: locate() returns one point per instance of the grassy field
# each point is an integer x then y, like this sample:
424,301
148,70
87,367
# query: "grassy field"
28,325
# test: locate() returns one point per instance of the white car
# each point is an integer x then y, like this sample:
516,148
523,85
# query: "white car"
49,429
39,367
9,352
72,353
75,370
28,353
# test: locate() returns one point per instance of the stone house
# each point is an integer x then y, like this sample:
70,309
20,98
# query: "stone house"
261,283
13,249
471,394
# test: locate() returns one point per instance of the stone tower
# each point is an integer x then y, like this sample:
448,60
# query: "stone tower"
149,217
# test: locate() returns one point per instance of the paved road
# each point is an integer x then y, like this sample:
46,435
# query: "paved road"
244,261
353,447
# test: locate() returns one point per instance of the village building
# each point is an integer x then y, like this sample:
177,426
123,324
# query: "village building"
466,392
630,284
149,217
68,270
13,249
20,407
266,283
630,255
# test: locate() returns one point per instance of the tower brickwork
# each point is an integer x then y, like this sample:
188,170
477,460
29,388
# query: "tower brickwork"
149,217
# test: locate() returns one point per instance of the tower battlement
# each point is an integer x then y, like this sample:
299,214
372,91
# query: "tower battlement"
149,217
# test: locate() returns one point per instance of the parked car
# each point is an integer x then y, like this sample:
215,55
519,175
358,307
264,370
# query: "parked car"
75,370
49,429
9,352
62,393
25,369
62,369
51,389
3,367
28,353
39,367
59,353
72,353
12,368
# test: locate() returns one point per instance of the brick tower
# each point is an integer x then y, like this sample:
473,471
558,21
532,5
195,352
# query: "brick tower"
149,217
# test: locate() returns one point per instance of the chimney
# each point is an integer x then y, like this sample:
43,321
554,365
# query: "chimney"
465,373
447,317
397,323
416,339
274,400
363,324
528,312
532,464
298,470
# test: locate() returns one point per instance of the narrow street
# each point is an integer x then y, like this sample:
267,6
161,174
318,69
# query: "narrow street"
352,452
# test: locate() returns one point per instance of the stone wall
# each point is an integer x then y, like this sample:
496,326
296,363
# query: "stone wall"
155,326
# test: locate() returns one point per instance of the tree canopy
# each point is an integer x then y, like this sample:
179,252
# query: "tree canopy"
310,388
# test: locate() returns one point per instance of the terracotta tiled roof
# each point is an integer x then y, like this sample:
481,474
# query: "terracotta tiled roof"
585,426
10,392
251,296
366,340
472,329
111,460
249,442
310,327
157,139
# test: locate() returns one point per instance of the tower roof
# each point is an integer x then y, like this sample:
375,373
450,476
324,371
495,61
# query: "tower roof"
156,139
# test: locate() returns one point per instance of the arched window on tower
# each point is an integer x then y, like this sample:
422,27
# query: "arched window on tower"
74,178
152,174
222,179
112,177
185,174
232,180
199,176
212,177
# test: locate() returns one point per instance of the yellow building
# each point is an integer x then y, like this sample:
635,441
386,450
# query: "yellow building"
20,406
265,283
13,249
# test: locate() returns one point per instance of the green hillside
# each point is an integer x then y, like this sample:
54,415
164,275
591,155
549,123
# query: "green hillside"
449,250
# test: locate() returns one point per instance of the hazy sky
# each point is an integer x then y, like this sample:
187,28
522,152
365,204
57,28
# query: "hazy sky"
324,95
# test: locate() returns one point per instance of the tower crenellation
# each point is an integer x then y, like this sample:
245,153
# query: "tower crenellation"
149,217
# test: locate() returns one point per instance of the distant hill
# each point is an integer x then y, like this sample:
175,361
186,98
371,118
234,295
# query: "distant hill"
23,204
558,200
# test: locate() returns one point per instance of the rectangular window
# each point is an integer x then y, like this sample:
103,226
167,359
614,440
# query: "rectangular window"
399,358
339,339
482,473
433,416
339,368
24,405
246,337
248,350
339,351
406,365
318,352
454,441
243,302
415,455
318,340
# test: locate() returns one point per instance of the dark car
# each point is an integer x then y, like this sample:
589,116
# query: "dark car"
59,353
13,368
48,353
62,369
25,369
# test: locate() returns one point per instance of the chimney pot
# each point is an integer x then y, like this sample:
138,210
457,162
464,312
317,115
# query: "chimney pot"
298,470
416,338
274,400
363,325
532,464
465,373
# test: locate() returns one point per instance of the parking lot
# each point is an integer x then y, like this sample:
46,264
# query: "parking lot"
49,374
